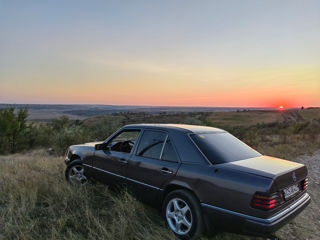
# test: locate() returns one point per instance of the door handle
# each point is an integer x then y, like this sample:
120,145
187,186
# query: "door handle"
122,160
166,171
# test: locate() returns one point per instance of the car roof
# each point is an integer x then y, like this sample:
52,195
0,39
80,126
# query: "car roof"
177,127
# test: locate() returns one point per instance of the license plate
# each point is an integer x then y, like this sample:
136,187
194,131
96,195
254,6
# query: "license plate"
290,191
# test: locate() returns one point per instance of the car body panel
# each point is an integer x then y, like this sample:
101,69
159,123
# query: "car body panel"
264,166
218,186
110,166
234,221
146,176
85,153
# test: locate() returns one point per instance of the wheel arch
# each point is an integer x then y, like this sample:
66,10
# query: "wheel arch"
178,186
74,156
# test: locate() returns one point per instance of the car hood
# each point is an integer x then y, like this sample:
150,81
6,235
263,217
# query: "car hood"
266,166
90,144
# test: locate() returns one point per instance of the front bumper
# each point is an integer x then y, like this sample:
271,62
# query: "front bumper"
254,225
68,157
66,160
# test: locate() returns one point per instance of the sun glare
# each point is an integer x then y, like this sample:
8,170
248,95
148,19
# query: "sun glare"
281,107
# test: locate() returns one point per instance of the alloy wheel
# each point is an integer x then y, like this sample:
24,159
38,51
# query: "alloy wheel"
76,175
179,216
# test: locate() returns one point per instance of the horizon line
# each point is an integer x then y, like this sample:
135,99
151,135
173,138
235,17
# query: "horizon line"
138,105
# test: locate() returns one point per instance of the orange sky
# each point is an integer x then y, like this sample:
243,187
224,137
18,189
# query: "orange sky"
258,54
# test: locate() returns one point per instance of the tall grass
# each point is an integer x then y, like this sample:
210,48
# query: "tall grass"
37,203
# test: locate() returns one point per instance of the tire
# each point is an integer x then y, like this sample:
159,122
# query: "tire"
182,213
75,174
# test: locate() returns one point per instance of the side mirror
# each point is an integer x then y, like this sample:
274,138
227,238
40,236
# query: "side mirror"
97,146
102,146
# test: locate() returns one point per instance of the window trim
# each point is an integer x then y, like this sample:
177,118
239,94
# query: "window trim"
174,149
164,144
205,157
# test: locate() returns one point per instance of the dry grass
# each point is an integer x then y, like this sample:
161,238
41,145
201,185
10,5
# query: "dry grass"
243,118
287,147
307,224
37,203
248,118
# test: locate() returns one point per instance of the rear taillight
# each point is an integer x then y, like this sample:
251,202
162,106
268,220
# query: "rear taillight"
305,183
266,202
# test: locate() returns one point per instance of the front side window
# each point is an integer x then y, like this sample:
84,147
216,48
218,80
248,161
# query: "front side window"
223,147
151,144
124,141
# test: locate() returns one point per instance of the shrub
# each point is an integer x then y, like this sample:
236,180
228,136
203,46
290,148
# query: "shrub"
13,129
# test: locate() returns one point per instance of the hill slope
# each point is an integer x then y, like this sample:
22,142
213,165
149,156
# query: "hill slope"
37,203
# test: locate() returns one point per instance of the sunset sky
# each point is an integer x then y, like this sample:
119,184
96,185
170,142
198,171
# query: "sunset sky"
176,52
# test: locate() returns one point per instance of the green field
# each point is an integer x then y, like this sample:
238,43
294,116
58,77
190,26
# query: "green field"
37,203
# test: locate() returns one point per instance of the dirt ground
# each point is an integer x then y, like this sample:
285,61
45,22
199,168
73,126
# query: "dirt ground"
307,224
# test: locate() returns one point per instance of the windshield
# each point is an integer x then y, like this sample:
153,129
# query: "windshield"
223,147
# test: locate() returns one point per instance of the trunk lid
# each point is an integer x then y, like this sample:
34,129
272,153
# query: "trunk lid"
285,177
283,173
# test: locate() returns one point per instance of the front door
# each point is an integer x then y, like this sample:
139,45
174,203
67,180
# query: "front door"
154,163
110,164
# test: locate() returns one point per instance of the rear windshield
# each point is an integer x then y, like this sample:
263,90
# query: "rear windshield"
223,147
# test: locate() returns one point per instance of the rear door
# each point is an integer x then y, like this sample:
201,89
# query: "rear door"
154,163
110,165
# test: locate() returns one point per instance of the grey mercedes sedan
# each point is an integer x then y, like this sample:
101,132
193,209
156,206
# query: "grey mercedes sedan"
203,178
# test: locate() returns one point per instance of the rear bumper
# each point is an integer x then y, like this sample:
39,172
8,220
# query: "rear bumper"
254,225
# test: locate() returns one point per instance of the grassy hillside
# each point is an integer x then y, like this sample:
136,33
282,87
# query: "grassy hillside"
293,131
36,202
285,134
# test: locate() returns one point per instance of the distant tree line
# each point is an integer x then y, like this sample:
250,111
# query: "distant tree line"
17,134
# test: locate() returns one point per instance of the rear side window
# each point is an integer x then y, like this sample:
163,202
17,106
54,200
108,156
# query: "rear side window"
169,154
151,144
223,147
